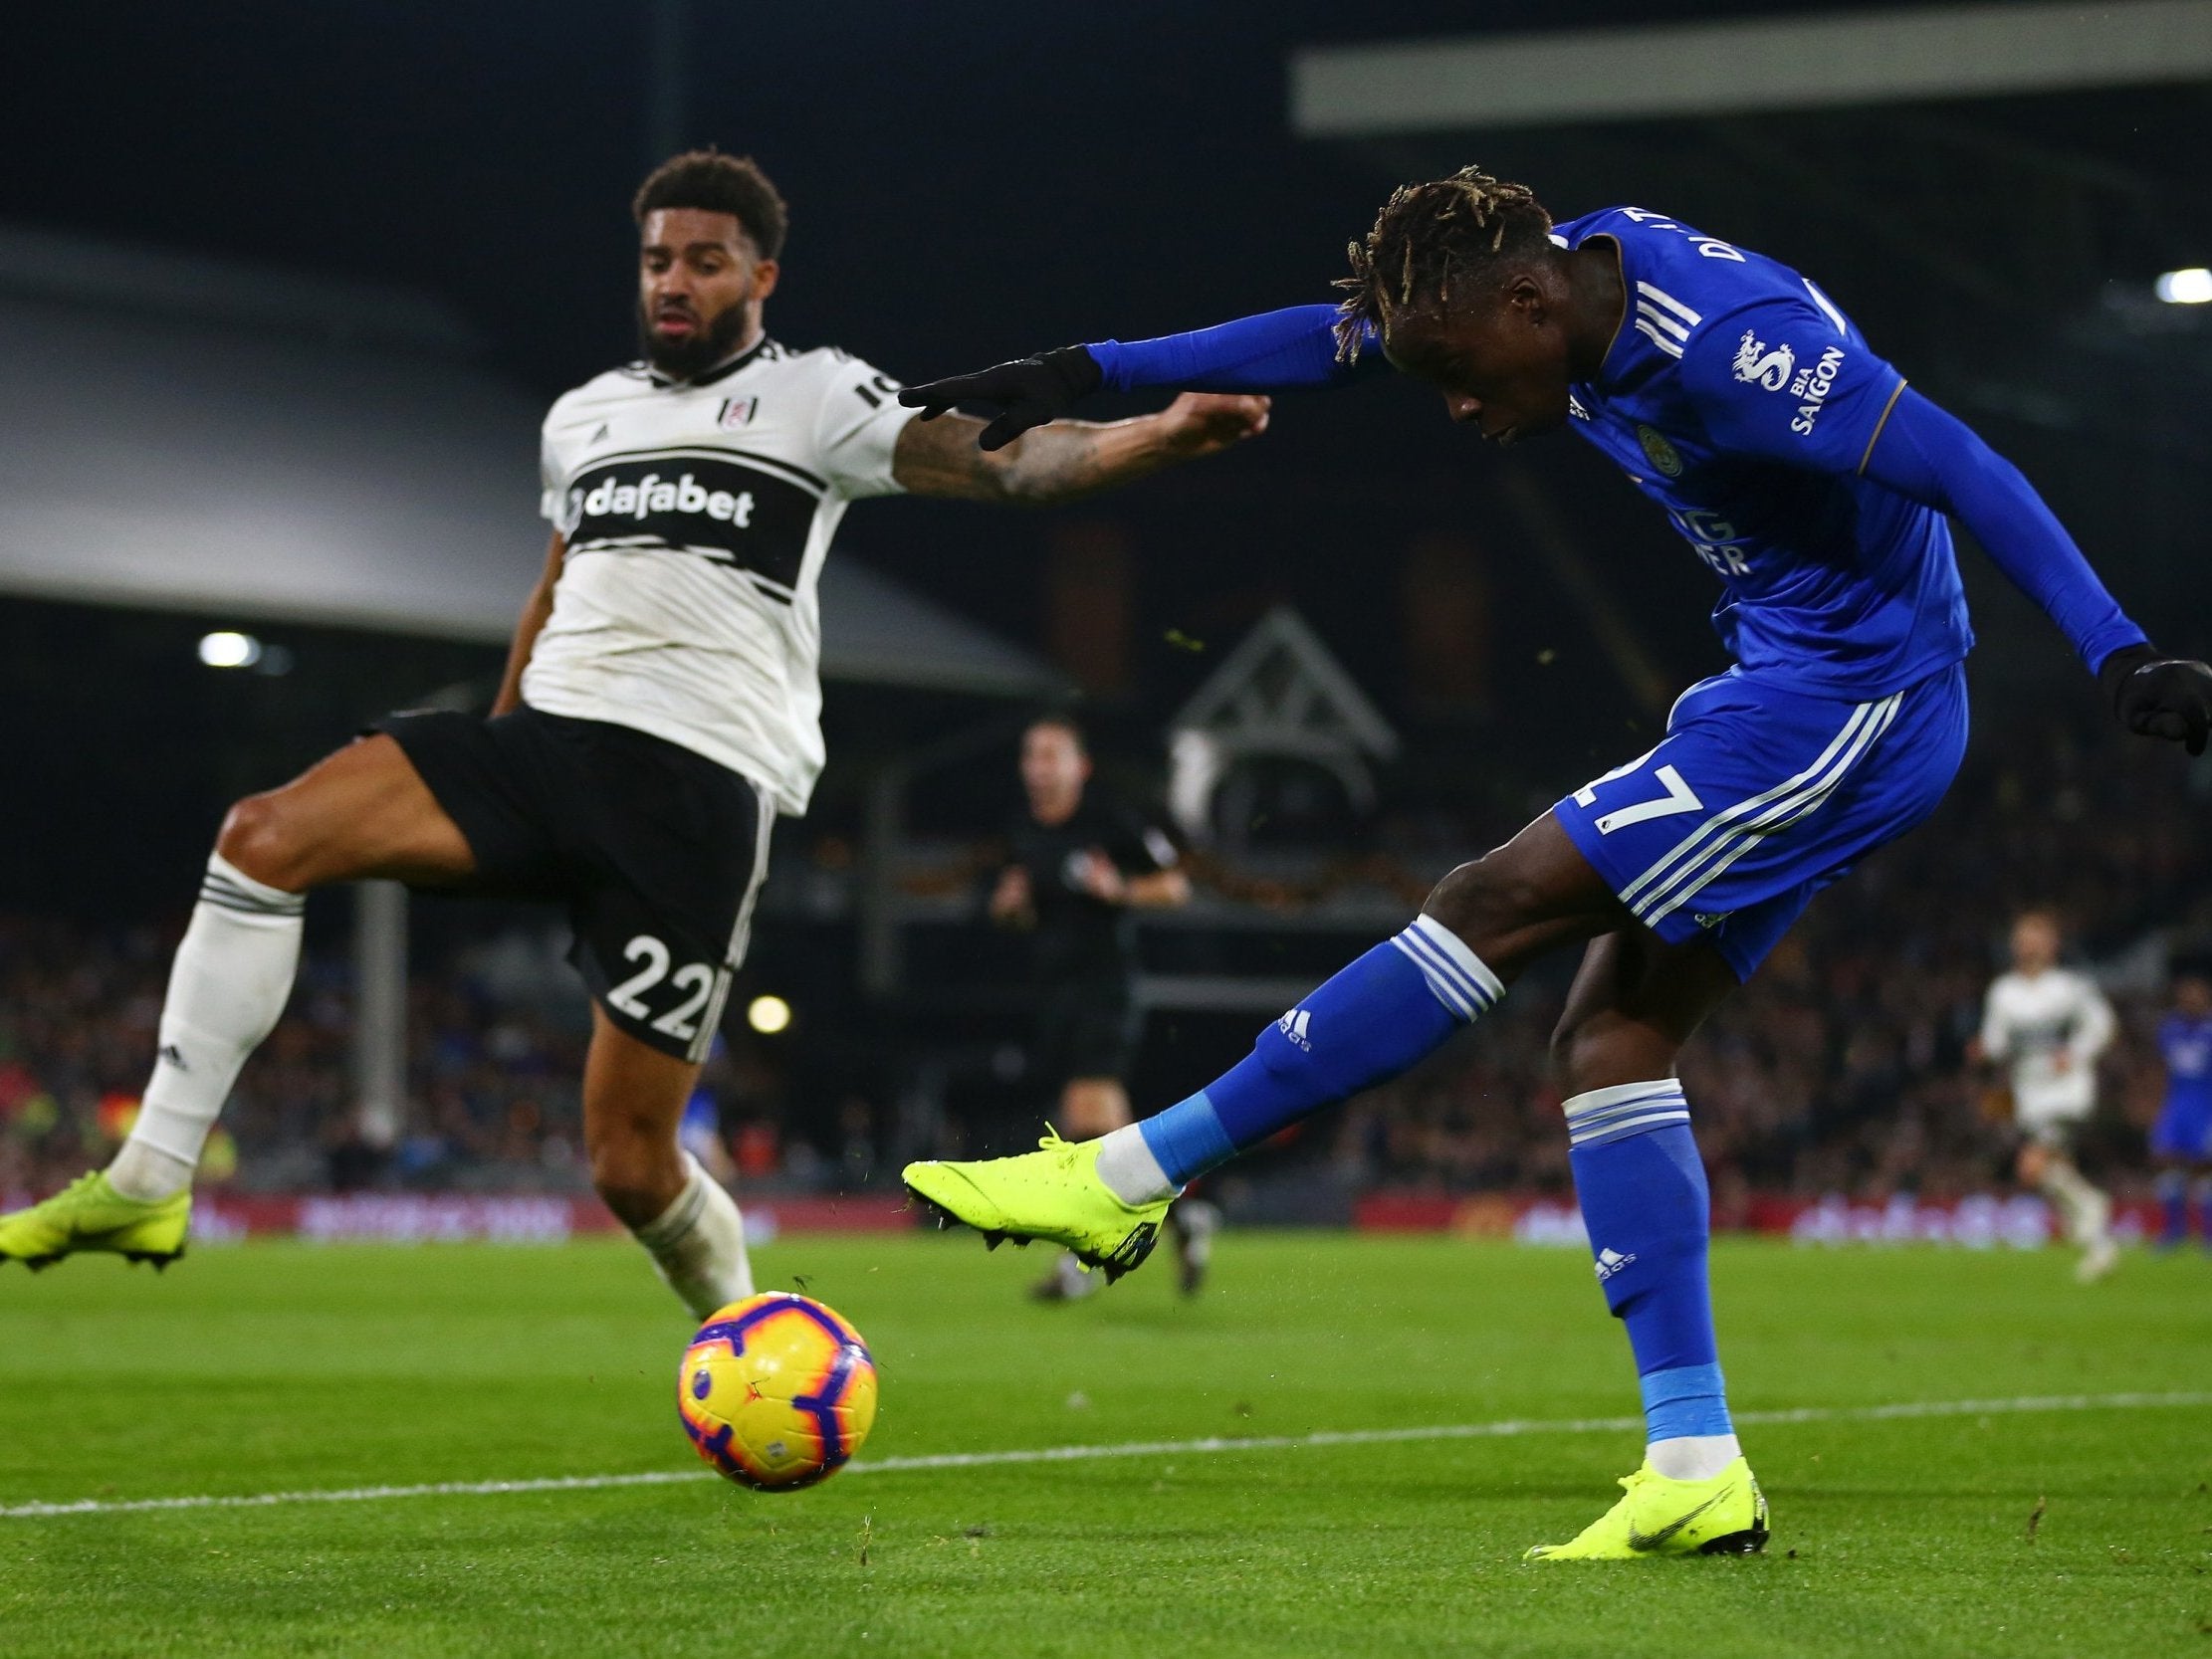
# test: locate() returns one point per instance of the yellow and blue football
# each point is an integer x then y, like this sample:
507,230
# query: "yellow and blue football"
776,1391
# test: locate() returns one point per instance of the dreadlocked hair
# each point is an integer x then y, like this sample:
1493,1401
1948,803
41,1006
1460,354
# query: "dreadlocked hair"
1430,238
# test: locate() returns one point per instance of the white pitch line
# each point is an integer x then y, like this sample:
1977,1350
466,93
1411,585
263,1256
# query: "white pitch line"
1505,1429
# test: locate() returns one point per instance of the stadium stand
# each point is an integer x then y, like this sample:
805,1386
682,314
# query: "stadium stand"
1840,1072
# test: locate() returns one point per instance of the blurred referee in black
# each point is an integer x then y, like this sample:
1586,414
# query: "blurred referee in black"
1081,864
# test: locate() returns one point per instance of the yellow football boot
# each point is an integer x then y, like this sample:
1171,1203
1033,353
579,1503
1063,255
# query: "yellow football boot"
90,1214
1054,1194
1723,1516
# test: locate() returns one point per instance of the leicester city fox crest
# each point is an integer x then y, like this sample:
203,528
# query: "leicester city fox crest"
1661,454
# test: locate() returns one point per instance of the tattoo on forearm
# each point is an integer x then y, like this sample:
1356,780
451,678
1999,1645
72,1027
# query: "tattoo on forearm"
1055,462
1060,462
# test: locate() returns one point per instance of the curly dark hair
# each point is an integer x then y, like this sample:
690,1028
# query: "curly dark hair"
1430,237
711,182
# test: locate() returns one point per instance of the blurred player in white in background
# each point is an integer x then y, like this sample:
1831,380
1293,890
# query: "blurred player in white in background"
2047,1025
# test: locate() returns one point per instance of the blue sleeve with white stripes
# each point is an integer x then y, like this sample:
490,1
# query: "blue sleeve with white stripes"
1273,351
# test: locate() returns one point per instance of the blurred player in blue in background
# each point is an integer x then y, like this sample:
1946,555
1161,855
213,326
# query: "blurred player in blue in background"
1814,484
2181,1139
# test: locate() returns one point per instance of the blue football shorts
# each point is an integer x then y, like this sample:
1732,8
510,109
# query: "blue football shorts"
2184,1132
1759,797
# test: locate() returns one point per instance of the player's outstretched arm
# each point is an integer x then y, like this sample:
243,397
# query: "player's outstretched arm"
1280,350
1068,460
1932,455
1868,421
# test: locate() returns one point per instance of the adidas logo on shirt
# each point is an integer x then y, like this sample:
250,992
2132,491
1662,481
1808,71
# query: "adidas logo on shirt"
1295,1026
1611,1261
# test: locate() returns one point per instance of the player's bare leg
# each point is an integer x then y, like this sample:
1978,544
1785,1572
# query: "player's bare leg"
1089,1107
633,1101
1092,1107
361,812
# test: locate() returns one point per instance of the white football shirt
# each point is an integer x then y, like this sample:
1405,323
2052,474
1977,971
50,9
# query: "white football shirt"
2048,1030
697,516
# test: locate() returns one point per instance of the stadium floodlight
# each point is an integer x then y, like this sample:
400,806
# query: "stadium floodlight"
767,1014
2190,287
227,649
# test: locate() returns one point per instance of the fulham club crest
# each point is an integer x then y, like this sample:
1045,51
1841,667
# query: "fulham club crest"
737,412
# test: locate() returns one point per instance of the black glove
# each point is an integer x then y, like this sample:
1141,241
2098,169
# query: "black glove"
2160,697
1026,392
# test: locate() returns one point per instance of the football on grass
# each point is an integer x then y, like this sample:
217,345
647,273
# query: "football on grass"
776,1391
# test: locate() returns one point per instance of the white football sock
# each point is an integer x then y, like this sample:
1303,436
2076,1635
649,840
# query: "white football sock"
1130,1171
1692,1457
698,1244
227,988
147,1174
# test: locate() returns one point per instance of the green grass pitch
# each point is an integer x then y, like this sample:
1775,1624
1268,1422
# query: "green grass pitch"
273,1369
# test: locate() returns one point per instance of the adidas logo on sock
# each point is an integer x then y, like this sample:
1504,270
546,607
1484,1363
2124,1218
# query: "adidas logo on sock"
1611,1261
173,1056
1295,1026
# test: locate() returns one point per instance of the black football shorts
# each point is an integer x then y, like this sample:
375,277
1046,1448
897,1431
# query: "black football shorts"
658,852
1087,1029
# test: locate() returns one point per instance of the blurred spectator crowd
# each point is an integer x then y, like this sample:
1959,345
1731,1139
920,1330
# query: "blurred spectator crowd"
1841,1069
493,1078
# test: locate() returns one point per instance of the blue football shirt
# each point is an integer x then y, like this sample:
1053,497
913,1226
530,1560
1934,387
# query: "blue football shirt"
2186,1047
1741,400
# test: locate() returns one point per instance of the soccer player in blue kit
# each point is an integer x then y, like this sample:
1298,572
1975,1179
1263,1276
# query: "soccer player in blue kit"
1814,483
2181,1139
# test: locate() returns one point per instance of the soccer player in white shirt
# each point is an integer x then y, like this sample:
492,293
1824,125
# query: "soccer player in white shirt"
661,705
2048,1025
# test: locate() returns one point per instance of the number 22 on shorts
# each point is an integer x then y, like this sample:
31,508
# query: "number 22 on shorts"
698,978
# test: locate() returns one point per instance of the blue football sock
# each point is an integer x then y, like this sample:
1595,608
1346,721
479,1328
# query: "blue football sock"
2173,1199
1395,1006
1644,1199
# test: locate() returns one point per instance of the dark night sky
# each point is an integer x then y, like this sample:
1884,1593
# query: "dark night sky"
966,180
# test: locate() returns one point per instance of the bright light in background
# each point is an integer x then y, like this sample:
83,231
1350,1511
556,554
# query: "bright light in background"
767,1014
2192,287
225,649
